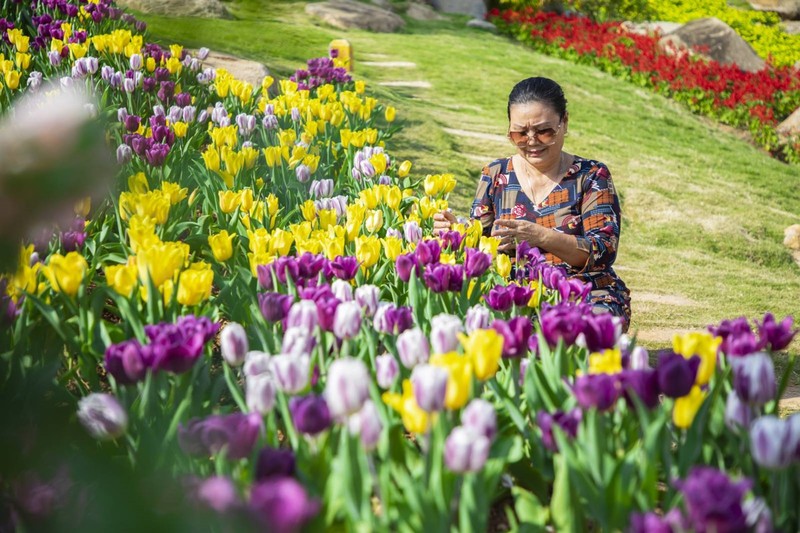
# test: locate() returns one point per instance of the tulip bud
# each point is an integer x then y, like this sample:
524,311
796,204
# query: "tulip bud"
310,414
444,333
412,232
466,450
347,388
754,378
478,317
292,372
773,442
298,341
270,122
128,85
386,370
55,57
217,493
202,54
136,62
368,297
303,314
34,80
738,415
676,374
295,113
430,386
480,417
233,344
342,290
124,154
347,320
413,348
367,425
260,392
256,362
639,359
102,416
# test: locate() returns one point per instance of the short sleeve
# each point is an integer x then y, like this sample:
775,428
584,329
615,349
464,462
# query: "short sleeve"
483,204
600,219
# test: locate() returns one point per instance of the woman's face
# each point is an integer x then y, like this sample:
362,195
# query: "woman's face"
538,133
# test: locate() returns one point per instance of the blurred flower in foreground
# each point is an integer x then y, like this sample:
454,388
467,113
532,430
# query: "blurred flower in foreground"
102,416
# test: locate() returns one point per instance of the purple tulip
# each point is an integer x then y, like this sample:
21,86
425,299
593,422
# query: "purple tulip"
480,416
516,333
303,173
599,391
600,332
430,385
102,416
567,422
216,493
282,505
466,450
754,378
444,333
310,265
451,241
270,122
347,387
275,306
563,321
639,359
478,317
368,297
128,361
366,423
520,295
404,264
676,374
774,441
274,463
738,415
303,314
124,154
132,123
652,523
774,334
73,239
235,433
298,341
386,370
499,299
260,392
286,267
246,124
713,501
157,154
737,337
344,267
392,319
342,290
428,253
233,344
310,414
292,372
321,188
476,262
413,348
573,289
176,347
326,311
642,384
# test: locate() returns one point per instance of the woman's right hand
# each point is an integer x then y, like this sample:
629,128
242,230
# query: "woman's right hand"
443,221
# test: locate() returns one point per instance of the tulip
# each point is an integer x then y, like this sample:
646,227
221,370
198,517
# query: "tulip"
392,319
292,372
754,378
66,273
233,344
326,310
484,347
282,505
404,264
303,314
466,450
347,387
738,415
444,333
256,362
413,348
774,441
216,493
124,154
736,337
235,433
459,380
476,262
428,253
776,335
386,370
128,361
685,409
563,321
102,416
275,306
499,299
600,332
567,422
703,345
176,347
599,391
478,317
344,267
366,423
713,501
650,523
639,359
342,290
260,392
430,386
516,333
274,463
310,414
758,515
368,297
481,417
415,420
676,374
221,245
347,320
641,383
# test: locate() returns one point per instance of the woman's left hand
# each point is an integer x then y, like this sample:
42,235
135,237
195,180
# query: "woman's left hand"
512,232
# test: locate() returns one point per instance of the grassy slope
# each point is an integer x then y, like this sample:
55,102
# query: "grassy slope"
704,212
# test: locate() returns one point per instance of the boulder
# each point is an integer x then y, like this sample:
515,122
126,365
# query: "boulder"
347,14
649,28
182,8
719,42
791,237
481,25
790,126
791,26
787,9
418,11
252,72
476,8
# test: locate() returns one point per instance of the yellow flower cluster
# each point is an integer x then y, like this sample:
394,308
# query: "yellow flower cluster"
117,42
141,201
437,184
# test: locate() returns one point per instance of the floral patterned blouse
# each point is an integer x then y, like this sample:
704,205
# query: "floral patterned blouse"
584,204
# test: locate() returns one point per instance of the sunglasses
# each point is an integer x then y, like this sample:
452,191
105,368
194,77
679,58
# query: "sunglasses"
545,136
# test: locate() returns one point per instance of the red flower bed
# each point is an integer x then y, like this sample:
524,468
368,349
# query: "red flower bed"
756,101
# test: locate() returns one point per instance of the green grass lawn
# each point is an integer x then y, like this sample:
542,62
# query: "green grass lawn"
703,211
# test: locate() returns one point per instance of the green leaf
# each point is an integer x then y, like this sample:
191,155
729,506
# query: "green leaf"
532,514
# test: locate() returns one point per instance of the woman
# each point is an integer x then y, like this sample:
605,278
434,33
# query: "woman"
563,204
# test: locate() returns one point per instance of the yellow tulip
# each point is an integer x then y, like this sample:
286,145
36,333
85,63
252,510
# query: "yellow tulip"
608,361
195,284
161,262
180,129
281,242
360,87
153,204
404,169
221,245
141,232
374,220
327,218
427,208
229,201
272,205
211,159
245,198
173,65
66,272
685,408
12,79
250,156
83,206
702,344
175,50
332,247
301,231
502,265
483,347
260,258
393,197
24,279
390,113
459,380
150,64
379,163
488,245
392,247
123,278
259,240
309,210
173,191
368,250
473,234
414,418
447,259
137,183
22,61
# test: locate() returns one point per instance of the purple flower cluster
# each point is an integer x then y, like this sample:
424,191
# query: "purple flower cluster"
567,422
713,501
573,322
516,335
171,347
391,319
320,71
235,433
303,271
75,236
738,338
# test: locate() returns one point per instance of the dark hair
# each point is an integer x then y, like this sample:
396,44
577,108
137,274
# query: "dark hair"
538,89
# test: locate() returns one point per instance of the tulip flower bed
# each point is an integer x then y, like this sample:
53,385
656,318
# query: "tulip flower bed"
756,102
259,331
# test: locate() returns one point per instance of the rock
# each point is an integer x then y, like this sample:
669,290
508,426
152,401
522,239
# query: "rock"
252,72
791,237
482,25
183,8
721,42
787,9
419,11
650,28
791,26
346,14
790,126
383,4
476,8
